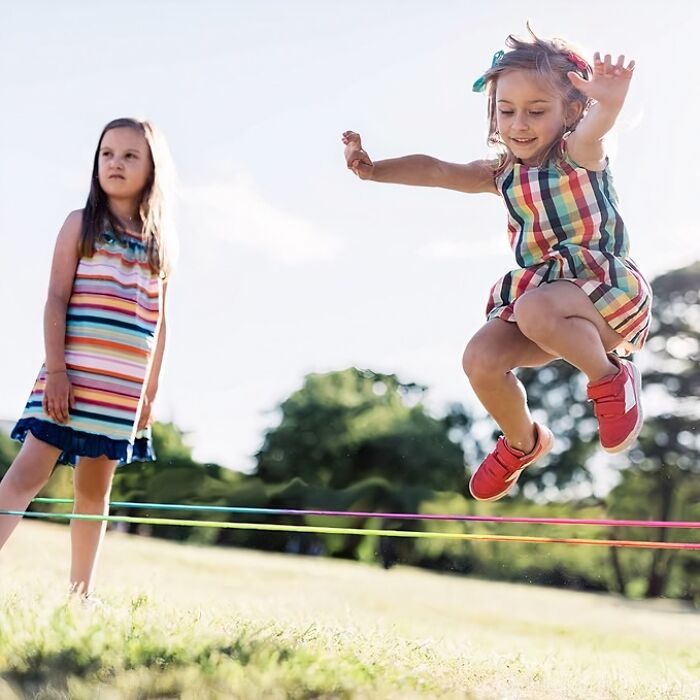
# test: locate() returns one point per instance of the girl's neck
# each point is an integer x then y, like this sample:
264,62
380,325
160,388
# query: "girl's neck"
126,212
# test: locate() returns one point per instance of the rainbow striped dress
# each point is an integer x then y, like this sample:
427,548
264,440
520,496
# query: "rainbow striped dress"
112,324
564,223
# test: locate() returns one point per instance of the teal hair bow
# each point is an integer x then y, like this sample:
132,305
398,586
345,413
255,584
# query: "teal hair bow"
480,84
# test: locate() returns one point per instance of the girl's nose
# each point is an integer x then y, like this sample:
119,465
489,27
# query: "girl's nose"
519,122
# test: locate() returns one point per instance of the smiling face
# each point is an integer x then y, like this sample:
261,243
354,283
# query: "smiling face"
531,115
124,164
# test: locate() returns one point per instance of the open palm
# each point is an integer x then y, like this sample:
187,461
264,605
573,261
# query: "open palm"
610,81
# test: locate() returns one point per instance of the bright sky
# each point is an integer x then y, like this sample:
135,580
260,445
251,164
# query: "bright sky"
289,264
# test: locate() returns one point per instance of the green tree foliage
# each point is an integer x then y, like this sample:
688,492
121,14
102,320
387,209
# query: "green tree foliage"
343,427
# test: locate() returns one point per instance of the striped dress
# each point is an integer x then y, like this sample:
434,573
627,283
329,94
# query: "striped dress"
112,325
564,223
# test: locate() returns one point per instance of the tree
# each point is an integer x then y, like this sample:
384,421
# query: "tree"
343,427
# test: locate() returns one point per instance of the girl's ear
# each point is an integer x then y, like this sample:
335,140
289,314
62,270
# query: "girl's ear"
573,113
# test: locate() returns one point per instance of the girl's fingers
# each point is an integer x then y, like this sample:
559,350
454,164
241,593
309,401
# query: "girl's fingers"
57,409
606,67
143,418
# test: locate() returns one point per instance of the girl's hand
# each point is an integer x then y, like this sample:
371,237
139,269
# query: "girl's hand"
609,83
58,397
145,419
356,158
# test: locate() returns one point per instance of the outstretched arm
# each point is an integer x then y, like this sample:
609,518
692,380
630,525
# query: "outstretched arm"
420,170
608,86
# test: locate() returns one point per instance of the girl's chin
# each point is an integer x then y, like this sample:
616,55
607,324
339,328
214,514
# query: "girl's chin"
529,156
118,190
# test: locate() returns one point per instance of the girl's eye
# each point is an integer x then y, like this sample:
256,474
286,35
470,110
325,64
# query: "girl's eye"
504,113
536,114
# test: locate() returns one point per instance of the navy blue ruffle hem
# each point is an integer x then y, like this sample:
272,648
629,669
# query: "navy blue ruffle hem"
75,443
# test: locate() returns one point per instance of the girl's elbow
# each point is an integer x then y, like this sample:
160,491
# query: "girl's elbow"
56,302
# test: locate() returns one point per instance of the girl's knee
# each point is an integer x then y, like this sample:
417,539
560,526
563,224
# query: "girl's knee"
481,361
535,314
92,484
92,495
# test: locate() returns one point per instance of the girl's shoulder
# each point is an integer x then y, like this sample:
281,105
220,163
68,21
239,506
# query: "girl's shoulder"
74,220
72,229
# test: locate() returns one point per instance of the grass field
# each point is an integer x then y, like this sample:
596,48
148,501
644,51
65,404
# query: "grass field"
196,622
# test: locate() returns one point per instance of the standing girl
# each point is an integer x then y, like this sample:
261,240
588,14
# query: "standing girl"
104,332
576,294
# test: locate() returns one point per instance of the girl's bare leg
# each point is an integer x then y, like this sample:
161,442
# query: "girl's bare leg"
27,474
489,358
92,483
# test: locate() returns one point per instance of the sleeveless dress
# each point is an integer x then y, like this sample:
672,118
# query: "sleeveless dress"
564,223
112,324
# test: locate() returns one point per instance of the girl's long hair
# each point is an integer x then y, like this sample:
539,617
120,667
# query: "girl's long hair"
152,208
551,59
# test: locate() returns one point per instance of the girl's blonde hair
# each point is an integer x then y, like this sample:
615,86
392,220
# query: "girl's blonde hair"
551,59
152,207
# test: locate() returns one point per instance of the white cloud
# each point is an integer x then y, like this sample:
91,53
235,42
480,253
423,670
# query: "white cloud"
234,210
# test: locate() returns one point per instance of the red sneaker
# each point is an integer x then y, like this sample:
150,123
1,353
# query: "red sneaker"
616,401
500,470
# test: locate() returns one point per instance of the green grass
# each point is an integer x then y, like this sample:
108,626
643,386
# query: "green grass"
197,622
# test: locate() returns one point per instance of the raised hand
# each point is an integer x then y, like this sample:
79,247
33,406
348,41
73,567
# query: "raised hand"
609,83
356,157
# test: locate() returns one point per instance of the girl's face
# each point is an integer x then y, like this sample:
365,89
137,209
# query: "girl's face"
530,115
124,163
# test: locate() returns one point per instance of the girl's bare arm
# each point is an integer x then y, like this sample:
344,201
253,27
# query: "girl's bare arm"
421,170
